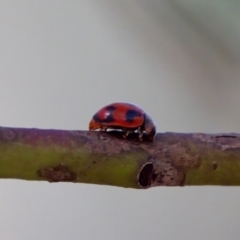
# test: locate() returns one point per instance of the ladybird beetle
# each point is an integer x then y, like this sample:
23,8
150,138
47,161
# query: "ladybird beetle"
125,116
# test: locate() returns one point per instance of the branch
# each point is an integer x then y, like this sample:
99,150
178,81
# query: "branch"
173,159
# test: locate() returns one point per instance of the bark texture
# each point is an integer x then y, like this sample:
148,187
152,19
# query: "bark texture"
173,159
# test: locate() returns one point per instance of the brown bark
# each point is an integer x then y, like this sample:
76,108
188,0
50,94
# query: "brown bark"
172,159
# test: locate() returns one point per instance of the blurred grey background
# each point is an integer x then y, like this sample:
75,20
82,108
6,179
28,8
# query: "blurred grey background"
62,60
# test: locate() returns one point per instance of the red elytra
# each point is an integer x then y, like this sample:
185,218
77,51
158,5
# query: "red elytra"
125,116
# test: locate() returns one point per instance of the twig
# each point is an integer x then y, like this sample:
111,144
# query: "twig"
173,159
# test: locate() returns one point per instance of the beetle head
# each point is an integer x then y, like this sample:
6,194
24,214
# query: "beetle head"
93,125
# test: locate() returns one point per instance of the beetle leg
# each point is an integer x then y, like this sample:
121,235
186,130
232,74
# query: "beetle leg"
103,128
140,134
127,133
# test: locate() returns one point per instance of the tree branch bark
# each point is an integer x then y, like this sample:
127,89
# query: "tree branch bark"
173,159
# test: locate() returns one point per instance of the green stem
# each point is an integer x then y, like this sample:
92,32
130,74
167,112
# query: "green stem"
173,159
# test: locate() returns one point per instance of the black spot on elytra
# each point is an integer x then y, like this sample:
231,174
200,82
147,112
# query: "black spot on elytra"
109,117
131,114
111,108
96,118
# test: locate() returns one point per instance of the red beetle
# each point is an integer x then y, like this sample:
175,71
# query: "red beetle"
125,116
